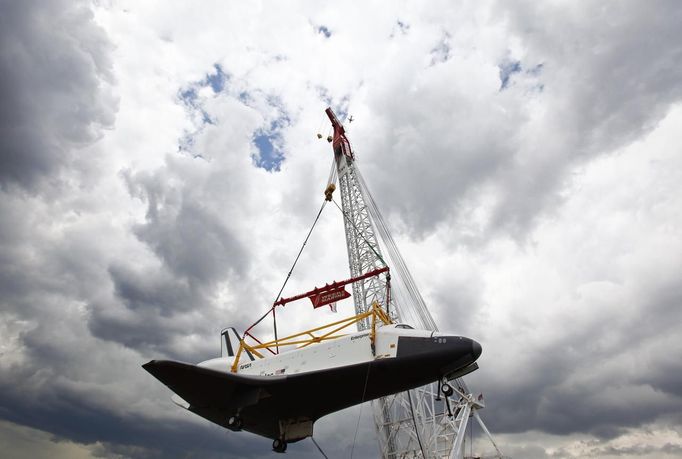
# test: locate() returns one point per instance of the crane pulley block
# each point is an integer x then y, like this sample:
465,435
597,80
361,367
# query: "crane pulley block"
329,191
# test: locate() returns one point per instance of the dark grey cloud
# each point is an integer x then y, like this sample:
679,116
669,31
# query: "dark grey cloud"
193,242
70,388
606,75
609,75
153,308
424,165
527,452
65,414
55,86
67,295
86,298
592,450
601,87
602,378
155,289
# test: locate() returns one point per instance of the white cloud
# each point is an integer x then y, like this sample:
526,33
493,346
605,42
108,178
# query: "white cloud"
542,219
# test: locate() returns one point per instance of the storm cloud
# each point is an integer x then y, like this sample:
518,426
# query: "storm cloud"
55,87
159,168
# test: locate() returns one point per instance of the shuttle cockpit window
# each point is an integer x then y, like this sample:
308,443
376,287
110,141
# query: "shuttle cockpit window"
409,327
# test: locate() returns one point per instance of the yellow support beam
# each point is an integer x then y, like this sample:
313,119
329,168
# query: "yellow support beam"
375,312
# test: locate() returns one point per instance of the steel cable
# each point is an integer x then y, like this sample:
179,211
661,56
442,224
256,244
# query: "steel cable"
288,276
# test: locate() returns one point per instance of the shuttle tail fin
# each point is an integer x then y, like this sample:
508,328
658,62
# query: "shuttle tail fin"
229,342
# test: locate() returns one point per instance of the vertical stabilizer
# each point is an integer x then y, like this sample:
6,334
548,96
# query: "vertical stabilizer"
229,342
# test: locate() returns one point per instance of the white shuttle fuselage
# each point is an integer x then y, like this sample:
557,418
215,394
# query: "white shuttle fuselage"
345,350
280,396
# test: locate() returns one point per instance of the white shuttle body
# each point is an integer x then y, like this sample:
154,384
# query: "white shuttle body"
281,396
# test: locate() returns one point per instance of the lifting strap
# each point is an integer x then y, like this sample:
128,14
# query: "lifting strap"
274,317
328,193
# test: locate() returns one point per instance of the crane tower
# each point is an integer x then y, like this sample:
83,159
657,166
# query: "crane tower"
417,423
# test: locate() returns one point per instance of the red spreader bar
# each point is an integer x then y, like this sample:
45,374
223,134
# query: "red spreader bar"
319,296
330,292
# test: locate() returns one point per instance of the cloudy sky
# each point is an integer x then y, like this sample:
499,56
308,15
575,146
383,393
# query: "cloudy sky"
159,168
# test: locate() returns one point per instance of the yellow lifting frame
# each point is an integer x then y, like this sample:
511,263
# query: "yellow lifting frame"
375,312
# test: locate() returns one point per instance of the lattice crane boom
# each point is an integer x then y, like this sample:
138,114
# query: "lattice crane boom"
401,430
413,424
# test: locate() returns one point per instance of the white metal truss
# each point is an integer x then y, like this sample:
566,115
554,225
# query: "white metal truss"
363,249
417,423
409,424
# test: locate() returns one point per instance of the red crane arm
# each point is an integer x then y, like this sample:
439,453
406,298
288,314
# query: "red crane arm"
332,286
339,141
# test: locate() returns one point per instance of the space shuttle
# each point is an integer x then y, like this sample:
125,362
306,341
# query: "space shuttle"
280,396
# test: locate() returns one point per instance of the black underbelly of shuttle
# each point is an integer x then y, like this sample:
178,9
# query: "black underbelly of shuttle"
264,402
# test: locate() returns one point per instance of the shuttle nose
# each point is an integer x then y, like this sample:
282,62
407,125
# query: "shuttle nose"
476,349
462,356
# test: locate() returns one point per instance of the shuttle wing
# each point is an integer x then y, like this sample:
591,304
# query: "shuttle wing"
216,396
265,401
202,387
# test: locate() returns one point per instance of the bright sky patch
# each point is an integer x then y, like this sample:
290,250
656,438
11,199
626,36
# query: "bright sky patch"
507,69
269,157
217,80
